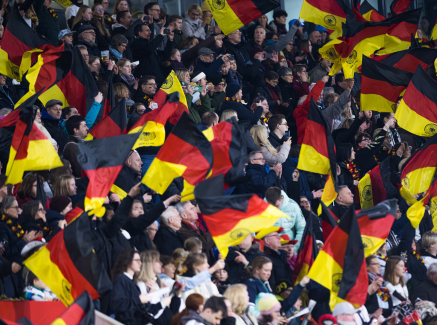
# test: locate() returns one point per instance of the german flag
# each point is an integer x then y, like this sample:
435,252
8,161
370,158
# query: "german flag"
186,152
329,193
375,224
329,221
328,13
171,85
307,253
364,38
113,124
102,160
231,15
368,13
417,112
417,210
30,149
81,312
73,215
231,218
152,124
109,103
63,75
376,187
68,264
381,86
317,154
418,171
343,264
399,6
20,46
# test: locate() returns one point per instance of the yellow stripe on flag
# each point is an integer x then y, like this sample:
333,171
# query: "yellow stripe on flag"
303,272
96,202
374,102
48,272
121,193
366,201
371,244
415,213
187,193
171,85
153,134
413,122
319,17
160,175
419,180
313,161
329,194
225,17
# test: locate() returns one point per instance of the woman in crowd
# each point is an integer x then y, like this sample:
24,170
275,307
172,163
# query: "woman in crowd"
349,173
117,47
378,294
193,305
394,279
120,5
27,190
94,65
193,25
125,75
103,36
260,271
271,155
83,17
239,297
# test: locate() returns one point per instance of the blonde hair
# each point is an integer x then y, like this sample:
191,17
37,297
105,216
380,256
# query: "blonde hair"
62,186
179,255
227,114
121,63
79,15
259,135
197,8
146,272
237,294
115,12
429,238
119,91
181,73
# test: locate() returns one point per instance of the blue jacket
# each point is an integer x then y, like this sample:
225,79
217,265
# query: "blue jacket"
288,168
254,287
260,180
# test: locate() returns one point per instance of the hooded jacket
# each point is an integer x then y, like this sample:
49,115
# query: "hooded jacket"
55,129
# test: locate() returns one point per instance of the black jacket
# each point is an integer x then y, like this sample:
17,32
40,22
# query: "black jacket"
167,240
275,141
264,90
237,272
259,180
93,49
243,112
338,209
13,244
55,129
281,269
427,290
8,97
288,94
70,153
126,179
365,157
345,178
125,301
141,97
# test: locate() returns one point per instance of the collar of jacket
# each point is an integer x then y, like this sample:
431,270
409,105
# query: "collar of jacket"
45,115
196,23
194,316
269,251
256,167
75,138
83,42
130,171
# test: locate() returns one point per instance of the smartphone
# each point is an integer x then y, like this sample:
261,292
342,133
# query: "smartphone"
403,255
176,287
146,18
268,55
167,31
231,58
183,83
197,88
104,54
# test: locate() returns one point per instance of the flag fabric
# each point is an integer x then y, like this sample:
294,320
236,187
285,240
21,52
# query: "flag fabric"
329,193
192,160
113,124
109,103
20,46
399,6
73,215
102,160
307,253
343,264
30,149
417,210
418,171
376,186
317,154
329,14
11,119
364,38
171,85
381,86
368,13
417,112
231,15
81,312
63,75
152,124
230,219
328,220
375,224
68,264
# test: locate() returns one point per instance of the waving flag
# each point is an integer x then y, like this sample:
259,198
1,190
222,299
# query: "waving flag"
369,13
329,221
81,312
112,124
416,212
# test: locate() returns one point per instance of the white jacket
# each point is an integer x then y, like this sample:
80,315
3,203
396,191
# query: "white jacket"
206,289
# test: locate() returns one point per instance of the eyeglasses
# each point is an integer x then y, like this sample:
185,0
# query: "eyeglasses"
41,210
304,202
259,159
284,123
277,235
367,140
283,60
16,208
93,33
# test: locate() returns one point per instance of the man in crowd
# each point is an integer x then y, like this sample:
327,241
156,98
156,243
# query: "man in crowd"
87,37
146,91
51,118
344,200
168,237
278,128
77,131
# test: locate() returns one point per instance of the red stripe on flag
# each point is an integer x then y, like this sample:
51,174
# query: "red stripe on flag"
419,103
317,142
378,191
73,315
245,10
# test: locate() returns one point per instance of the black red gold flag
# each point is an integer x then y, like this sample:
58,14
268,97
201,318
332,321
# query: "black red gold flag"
68,264
399,6
328,220
102,160
112,124
230,219
343,264
366,12
416,211
81,312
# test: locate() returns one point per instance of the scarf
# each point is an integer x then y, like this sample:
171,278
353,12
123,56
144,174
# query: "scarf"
177,65
128,78
117,54
13,224
352,168
382,292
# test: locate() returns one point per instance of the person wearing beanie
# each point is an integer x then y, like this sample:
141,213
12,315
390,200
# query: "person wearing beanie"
269,309
217,93
61,204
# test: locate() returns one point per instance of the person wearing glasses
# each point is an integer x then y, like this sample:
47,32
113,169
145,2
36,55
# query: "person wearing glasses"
51,119
195,24
87,37
146,91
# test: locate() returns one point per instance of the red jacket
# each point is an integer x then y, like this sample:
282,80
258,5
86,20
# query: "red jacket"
301,88
301,112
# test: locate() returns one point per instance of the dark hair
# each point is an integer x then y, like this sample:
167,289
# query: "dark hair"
166,260
382,116
258,263
185,44
134,107
121,15
216,304
173,18
194,259
274,121
66,111
117,40
30,278
279,13
144,80
343,152
31,207
362,136
7,203
294,151
123,261
73,123
102,86
149,6
92,59
25,189
273,194
208,118
297,68
138,29
339,78
56,172
271,75
259,99
369,259
3,179
329,99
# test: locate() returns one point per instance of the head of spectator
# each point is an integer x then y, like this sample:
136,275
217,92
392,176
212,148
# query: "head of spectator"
98,10
424,24
175,21
344,312
271,237
385,117
282,61
142,31
233,65
325,64
280,17
119,44
330,98
136,209
305,203
234,91
228,114
286,75
66,36
209,119
345,152
35,210
345,196
171,219
77,127
432,272
256,158
196,263
187,211
104,3
218,82
124,67
394,271
120,5
150,267
340,81
429,242
37,114
259,35
188,43
3,79
128,261
66,185
194,303
152,9
259,135
214,310
133,161
315,37
168,267
147,84
269,308
274,196
206,55
263,20
10,207
235,37
124,18
306,47
193,245
84,51
373,265
300,72
364,140
61,204
278,125
28,187
246,244
84,14
239,297
139,108
195,13
175,55
120,92
54,108
183,75
2,31
152,229
271,79
87,34
94,64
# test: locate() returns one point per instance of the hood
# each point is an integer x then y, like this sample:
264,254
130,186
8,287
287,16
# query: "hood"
47,116
197,22
53,217
117,25
194,316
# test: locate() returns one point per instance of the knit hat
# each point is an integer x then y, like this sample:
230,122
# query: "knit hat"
216,79
232,89
268,304
255,50
283,285
59,202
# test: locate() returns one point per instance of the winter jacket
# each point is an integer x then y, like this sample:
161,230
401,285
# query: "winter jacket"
237,272
194,318
92,48
216,100
254,287
209,68
193,28
271,159
167,240
260,180
55,129
196,110
187,230
295,225
90,117
125,300
334,110
70,153
302,88
317,73
427,290
275,141
8,97
243,112
281,269
288,168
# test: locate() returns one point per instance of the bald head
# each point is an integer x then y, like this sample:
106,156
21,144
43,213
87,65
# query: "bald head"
315,37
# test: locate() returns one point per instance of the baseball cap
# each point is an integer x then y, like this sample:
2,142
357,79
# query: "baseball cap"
64,32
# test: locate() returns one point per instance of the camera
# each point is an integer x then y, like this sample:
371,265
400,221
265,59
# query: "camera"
268,55
231,58
167,31
146,18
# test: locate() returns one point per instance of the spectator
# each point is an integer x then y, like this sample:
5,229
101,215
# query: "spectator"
427,290
117,47
87,38
103,36
209,119
394,279
429,251
168,238
51,118
146,90
175,22
300,77
320,70
344,200
239,297
120,5
213,312
83,17
193,306
8,97
124,21
278,22
193,24
271,155
77,131
66,36
72,9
